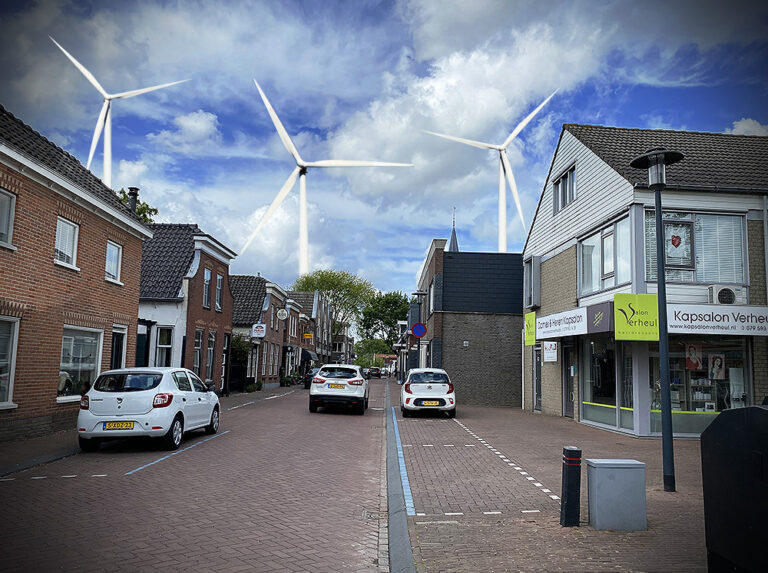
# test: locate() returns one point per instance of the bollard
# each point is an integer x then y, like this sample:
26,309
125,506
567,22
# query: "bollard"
570,505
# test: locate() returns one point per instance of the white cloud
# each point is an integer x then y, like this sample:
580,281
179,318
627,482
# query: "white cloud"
746,126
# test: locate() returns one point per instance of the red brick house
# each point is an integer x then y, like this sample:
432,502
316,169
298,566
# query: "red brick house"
70,256
185,308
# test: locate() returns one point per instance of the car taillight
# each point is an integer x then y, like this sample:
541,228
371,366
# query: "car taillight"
355,382
318,380
162,400
450,388
407,388
85,403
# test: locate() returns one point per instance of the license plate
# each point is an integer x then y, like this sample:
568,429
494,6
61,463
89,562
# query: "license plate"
340,386
430,403
118,425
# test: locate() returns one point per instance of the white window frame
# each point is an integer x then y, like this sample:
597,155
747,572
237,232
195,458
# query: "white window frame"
198,352
219,289
158,346
120,329
264,352
76,232
607,230
116,278
206,288
13,349
209,356
560,202
76,397
11,213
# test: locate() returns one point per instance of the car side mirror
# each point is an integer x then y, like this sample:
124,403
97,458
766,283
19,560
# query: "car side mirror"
211,387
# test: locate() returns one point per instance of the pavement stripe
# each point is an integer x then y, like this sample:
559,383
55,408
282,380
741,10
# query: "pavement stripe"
175,453
403,473
491,513
454,513
99,475
531,511
241,405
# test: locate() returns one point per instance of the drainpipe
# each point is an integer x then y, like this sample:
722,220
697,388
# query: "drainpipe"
522,374
133,194
765,241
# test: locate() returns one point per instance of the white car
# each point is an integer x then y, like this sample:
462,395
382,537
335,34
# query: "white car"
339,384
427,389
155,402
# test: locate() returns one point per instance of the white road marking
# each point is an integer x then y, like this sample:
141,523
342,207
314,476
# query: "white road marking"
554,497
537,484
491,513
454,513
547,490
241,405
469,445
7,479
504,459
447,445
516,467
529,478
523,473
407,445
39,477
99,475
531,511
429,446
437,523
72,476
421,514
377,408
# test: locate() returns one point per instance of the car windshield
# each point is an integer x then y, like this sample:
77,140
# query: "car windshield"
127,382
338,373
428,378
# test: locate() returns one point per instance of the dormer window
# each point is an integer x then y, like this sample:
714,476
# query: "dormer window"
564,189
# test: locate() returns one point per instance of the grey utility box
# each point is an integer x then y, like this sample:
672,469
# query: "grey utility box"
616,494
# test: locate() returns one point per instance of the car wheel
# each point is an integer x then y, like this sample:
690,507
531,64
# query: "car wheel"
312,407
88,445
213,427
406,413
175,433
452,413
366,403
360,410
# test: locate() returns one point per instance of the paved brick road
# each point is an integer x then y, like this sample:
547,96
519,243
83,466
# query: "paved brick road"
479,466
283,490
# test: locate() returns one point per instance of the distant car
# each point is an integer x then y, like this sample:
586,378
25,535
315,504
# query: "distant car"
156,402
376,371
342,384
427,389
310,374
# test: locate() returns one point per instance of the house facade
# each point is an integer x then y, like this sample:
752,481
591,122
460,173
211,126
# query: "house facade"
248,294
185,310
309,301
343,346
70,256
592,242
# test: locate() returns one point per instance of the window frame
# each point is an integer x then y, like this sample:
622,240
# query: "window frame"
13,344
206,287
98,358
606,234
11,216
197,357
602,231
116,278
159,346
564,195
75,240
691,231
219,291
210,354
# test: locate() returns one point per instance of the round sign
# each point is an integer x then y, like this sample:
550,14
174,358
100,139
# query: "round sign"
419,329
282,314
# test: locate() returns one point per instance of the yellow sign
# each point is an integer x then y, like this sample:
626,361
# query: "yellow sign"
636,316
307,335
530,329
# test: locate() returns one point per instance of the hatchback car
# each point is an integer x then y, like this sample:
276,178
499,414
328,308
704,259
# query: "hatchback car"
156,402
427,389
376,371
339,384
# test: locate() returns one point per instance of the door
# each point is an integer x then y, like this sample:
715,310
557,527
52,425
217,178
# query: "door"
537,378
201,404
569,373
187,395
117,358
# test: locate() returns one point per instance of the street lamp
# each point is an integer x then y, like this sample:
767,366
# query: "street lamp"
419,293
656,160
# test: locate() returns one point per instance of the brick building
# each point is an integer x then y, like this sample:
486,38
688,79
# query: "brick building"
593,239
248,294
185,308
307,328
70,255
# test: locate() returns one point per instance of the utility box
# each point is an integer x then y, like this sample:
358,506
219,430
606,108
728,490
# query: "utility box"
734,471
616,491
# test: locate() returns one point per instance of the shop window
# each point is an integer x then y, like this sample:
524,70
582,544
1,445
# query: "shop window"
80,360
8,340
599,381
66,243
164,346
7,208
207,288
699,248
198,351
605,258
564,189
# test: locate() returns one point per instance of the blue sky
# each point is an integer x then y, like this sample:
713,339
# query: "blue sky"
361,80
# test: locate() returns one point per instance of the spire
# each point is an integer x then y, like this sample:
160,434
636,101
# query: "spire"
453,244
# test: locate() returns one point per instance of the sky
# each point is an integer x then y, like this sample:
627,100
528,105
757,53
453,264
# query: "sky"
364,80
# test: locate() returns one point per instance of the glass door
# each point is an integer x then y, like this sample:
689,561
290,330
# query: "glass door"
569,374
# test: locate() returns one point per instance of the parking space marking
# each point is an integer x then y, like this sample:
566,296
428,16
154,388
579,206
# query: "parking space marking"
279,395
7,479
38,477
491,513
70,476
99,475
454,513
241,405
531,511
175,453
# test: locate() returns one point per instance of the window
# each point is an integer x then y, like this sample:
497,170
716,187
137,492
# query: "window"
182,382
264,348
66,242
209,358
431,297
114,261
80,360
564,189
164,346
338,347
7,208
219,286
224,349
207,288
531,283
8,341
605,258
699,247
198,351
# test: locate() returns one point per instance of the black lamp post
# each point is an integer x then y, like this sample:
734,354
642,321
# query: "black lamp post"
421,294
655,161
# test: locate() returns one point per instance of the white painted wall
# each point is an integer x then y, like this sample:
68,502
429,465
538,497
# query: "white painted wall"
165,314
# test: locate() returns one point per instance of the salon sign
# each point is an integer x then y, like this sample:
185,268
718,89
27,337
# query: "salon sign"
710,319
568,323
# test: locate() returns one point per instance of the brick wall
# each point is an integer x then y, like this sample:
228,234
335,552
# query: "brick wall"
487,371
757,296
52,295
272,340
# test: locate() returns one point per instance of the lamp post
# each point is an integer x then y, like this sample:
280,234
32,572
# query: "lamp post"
420,294
656,160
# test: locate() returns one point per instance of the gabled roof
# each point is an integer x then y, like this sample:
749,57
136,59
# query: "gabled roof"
248,293
28,142
165,259
712,160
305,299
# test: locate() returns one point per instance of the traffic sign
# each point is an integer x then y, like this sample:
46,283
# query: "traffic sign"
419,329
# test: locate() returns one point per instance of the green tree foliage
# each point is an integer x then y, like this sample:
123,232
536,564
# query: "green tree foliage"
346,293
143,210
366,349
380,316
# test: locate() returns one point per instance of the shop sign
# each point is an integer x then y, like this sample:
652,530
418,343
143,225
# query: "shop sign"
711,319
550,351
568,323
636,316
307,335
258,330
530,328
600,317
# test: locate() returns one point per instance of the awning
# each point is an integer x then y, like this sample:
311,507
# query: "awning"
308,355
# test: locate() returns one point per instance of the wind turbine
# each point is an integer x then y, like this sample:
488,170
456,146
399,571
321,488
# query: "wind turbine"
301,172
505,171
105,117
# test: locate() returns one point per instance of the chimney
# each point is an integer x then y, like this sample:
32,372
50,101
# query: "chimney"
133,193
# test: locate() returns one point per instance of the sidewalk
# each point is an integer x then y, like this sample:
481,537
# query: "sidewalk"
19,455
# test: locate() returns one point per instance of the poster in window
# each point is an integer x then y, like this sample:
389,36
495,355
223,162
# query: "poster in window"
693,357
717,366
677,239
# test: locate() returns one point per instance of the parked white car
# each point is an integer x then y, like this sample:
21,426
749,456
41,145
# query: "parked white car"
339,384
427,389
155,402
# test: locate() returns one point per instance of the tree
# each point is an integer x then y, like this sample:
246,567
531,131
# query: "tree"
346,293
380,316
367,348
143,210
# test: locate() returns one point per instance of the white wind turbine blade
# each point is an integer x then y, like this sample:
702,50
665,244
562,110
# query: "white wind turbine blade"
97,131
281,195
526,121
512,185
132,93
348,163
279,127
471,142
88,75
